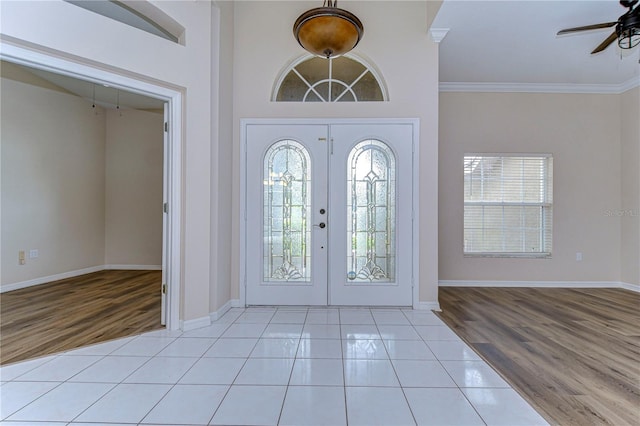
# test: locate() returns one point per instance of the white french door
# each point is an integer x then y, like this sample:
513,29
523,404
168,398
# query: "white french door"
371,222
329,214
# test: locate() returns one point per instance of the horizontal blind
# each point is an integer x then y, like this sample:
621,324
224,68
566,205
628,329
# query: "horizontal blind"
508,205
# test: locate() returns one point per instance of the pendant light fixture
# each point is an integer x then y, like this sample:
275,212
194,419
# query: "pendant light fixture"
328,31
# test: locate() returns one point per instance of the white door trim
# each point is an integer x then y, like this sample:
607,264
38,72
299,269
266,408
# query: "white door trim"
87,70
415,122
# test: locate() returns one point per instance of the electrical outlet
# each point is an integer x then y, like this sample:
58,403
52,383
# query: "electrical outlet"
21,257
33,254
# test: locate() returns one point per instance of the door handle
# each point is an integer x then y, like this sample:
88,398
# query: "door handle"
321,225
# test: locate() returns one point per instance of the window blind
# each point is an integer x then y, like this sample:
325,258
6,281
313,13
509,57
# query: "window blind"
508,203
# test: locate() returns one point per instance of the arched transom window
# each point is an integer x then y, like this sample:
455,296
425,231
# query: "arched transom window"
342,79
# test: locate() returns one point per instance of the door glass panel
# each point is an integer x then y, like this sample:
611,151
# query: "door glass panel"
371,213
287,202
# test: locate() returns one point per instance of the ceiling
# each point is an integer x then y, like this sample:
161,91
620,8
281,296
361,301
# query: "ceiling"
515,42
489,42
103,95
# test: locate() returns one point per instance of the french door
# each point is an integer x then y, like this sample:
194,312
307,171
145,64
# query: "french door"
329,214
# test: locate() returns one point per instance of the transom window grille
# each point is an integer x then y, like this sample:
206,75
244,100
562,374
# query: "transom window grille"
287,200
341,79
371,213
508,203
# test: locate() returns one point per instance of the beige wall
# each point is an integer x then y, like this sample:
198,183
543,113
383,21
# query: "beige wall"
221,155
583,134
630,207
82,186
133,190
396,42
53,178
54,26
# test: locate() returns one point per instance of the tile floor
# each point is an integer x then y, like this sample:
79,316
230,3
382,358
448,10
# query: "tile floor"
269,366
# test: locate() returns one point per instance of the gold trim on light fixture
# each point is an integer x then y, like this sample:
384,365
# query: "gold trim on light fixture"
328,31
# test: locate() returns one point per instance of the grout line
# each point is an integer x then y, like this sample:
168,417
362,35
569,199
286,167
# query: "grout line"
446,371
406,400
239,370
344,374
293,366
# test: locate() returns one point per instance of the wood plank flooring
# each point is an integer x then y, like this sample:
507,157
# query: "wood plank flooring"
574,354
79,311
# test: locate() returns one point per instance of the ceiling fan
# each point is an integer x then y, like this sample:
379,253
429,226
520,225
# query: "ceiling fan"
627,30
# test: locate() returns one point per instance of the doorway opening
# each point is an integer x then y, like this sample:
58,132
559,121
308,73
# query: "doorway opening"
172,99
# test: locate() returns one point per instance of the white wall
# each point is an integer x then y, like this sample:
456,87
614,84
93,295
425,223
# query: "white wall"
396,41
133,188
53,178
630,209
583,134
74,33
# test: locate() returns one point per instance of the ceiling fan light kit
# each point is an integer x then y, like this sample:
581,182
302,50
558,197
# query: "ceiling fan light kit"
328,31
627,30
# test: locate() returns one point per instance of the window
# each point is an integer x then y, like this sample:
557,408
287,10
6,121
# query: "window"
342,79
508,205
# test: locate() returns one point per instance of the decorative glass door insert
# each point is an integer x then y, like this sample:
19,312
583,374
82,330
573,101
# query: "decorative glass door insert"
371,223
371,213
287,202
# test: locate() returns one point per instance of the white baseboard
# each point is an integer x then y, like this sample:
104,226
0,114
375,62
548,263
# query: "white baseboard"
50,278
631,287
215,316
195,323
134,267
76,273
428,306
549,284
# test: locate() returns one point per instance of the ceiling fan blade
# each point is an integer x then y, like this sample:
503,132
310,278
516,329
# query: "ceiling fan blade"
587,27
613,37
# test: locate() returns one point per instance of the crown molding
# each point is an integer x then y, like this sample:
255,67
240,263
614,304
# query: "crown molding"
632,83
438,34
615,89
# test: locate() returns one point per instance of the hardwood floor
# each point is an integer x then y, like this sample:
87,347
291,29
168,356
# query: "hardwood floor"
78,311
574,354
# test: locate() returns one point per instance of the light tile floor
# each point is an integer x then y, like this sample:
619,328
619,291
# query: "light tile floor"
269,366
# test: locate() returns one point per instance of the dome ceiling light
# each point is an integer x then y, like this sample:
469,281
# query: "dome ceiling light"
328,31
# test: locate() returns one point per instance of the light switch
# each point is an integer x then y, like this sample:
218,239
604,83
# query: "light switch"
33,254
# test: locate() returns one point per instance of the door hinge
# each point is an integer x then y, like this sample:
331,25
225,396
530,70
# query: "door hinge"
166,126
164,289
165,208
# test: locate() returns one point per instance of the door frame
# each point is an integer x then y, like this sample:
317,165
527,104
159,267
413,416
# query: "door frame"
415,243
83,69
